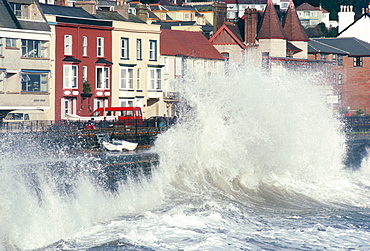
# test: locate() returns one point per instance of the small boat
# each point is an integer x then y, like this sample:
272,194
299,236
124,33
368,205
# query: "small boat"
119,145
74,117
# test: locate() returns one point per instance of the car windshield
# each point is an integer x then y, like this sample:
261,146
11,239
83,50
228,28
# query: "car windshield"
14,116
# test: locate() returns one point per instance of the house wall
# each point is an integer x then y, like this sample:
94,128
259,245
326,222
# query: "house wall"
276,47
235,52
79,105
358,28
11,61
141,95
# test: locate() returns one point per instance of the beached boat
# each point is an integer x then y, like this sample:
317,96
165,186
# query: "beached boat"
119,145
74,117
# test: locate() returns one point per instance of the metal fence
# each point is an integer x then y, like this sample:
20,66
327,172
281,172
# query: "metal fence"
357,123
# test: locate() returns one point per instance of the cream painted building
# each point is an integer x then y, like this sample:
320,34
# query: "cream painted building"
137,72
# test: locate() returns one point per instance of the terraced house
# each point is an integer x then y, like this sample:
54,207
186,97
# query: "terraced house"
24,58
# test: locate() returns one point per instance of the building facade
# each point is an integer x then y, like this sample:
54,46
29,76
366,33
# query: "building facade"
25,77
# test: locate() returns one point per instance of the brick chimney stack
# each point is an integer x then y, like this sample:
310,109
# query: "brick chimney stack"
250,26
142,12
219,15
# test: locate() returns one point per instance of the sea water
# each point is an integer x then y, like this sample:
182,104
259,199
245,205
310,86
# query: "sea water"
255,162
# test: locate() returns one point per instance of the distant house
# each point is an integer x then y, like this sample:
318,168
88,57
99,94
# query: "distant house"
350,73
25,77
311,16
186,52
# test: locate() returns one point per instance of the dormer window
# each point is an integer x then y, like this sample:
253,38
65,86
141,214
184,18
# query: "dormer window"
20,10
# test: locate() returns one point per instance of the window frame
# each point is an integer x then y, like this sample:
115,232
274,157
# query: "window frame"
27,83
126,81
125,52
139,49
11,43
104,82
68,44
154,82
84,46
357,61
152,50
100,47
70,81
40,47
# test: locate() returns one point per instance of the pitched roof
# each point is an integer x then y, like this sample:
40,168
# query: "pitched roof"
292,25
187,43
307,6
8,19
270,26
58,10
227,34
346,45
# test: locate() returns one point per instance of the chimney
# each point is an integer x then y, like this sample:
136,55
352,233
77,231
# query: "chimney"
250,26
142,12
122,8
219,15
346,16
89,6
62,2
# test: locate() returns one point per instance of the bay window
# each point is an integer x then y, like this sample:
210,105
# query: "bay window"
155,78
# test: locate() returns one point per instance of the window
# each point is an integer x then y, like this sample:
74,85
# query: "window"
102,77
139,55
357,61
1,81
11,43
334,59
163,16
339,78
153,50
155,77
34,48
127,78
178,67
67,44
124,48
334,78
68,105
340,59
100,47
138,79
70,76
84,46
1,46
84,73
323,56
34,82
126,103
20,10
186,17
226,55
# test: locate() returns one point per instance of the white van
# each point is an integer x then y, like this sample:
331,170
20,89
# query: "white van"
21,116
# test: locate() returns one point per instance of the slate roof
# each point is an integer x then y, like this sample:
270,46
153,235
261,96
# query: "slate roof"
8,19
346,45
110,15
187,43
270,26
292,25
58,10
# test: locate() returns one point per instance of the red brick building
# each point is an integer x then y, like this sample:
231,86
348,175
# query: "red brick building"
350,73
83,56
